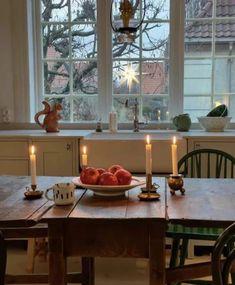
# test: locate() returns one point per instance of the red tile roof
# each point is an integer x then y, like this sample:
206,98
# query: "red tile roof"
203,30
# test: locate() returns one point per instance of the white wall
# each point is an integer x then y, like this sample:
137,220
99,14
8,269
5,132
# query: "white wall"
14,60
6,74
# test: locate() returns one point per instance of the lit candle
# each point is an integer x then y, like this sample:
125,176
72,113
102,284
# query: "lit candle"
159,115
33,166
148,151
84,157
167,115
174,157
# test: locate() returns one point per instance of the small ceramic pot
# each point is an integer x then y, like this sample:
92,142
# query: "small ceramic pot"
182,122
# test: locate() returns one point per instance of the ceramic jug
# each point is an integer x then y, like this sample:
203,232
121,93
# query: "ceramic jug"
182,122
52,116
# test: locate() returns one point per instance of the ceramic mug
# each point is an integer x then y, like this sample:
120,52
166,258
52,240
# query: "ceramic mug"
182,122
63,193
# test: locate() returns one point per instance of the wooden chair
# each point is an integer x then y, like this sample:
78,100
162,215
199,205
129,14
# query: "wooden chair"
3,259
220,272
201,163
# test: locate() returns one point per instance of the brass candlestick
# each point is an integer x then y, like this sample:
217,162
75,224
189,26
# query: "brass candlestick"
149,193
32,193
176,183
33,187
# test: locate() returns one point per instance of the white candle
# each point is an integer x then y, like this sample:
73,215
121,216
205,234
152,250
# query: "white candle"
33,166
167,115
148,151
174,157
84,157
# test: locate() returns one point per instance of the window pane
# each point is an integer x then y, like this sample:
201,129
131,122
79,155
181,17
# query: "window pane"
197,106
221,99
155,77
83,10
225,8
85,109
224,73
55,41
54,11
197,76
155,108
225,37
125,77
155,37
85,77
198,38
228,100
135,74
84,44
198,8
65,103
70,57
157,9
56,77
126,50
124,107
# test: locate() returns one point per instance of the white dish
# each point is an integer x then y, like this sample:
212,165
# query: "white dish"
110,190
214,124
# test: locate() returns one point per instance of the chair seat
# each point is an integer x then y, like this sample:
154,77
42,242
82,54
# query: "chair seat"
193,232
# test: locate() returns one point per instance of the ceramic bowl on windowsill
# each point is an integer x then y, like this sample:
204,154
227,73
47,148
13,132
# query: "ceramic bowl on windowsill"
214,124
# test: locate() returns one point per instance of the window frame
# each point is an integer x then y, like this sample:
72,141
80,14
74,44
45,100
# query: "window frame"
176,62
105,60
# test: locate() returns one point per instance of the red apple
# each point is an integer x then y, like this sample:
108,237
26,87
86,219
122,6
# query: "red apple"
123,176
108,178
101,170
114,168
89,175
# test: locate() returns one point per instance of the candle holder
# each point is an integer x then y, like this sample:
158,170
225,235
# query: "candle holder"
149,193
31,192
176,183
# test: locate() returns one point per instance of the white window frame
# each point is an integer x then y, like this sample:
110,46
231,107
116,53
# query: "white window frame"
176,59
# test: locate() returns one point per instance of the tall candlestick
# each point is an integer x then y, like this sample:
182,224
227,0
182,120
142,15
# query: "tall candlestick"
174,157
148,151
33,166
84,157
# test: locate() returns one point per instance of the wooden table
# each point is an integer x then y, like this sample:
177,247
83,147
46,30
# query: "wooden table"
93,226
117,227
206,203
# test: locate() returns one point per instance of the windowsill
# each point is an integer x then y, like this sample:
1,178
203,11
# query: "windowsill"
91,126
163,131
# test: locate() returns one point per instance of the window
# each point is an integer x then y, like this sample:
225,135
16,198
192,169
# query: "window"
209,63
175,65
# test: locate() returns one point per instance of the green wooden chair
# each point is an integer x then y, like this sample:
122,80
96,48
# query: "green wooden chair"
220,273
201,163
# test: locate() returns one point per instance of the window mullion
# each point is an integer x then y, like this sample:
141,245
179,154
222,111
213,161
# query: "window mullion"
104,38
176,79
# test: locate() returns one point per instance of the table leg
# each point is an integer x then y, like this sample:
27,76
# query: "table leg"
57,260
157,254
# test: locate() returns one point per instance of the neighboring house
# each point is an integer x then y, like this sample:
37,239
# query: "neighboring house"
199,36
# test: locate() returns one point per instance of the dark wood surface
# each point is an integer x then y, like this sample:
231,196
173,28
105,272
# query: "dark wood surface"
207,202
120,226
15,210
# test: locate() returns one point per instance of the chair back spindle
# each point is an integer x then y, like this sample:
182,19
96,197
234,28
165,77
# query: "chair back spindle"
207,163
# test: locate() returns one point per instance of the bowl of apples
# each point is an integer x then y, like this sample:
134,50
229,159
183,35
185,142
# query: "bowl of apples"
113,181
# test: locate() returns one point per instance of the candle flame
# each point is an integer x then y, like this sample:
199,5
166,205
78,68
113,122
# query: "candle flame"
84,150
32,149
174,139
148,139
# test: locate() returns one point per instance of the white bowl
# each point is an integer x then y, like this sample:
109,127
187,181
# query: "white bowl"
214,124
